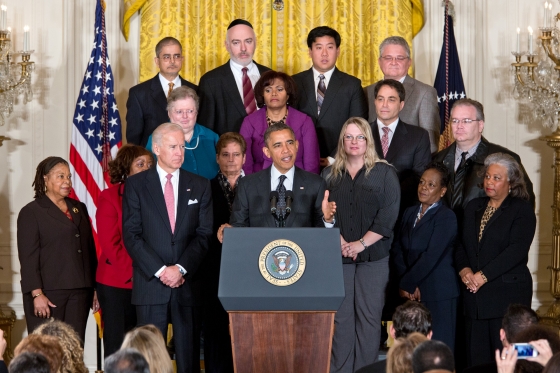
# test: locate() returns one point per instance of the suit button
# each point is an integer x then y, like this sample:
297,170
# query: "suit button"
80,251
172,243
477,255
77,235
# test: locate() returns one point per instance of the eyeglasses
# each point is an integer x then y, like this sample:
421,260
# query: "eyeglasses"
168,57
350,138
464,121
397,59
182,112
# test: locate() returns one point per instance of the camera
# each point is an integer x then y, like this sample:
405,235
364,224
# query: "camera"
525,350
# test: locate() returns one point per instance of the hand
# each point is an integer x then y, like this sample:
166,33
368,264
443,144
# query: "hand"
324,162
506,361
479,280
342,243
41,305
352,249
221,232
543,348
417,296
95,305
329,208
171,276
405,294
468,279
3,344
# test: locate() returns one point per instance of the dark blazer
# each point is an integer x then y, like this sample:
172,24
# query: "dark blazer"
420,108
501,254
146,109
475,165
115,265
55,253
251,207
150,242
221,105
410,153
423,254
344,98
379,366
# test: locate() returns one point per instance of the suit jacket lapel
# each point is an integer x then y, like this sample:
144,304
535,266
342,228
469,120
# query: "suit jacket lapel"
309,91
153,185
478,218
376,139
230,86
298,189
183,198
263,189
427,217
157,92
408,86
397,142
53,210
74,211
334,85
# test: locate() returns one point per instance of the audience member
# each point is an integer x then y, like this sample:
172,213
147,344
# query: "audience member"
434,357
128,360
275,93
553,365
492,255
30,362
367,194
399,357
421,105
226,93
200,142
3,345
149,341
147,101
45,345
325,93
114,270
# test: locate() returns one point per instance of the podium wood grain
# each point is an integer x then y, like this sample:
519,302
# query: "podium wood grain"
298,342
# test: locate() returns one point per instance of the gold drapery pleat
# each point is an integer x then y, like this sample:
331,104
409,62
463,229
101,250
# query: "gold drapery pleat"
201,25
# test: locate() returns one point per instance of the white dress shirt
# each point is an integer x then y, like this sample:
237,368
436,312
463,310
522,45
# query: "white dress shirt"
252,71
316,79
165,83
392,128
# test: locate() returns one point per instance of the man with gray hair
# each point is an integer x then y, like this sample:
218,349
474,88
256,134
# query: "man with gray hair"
129,360
421,106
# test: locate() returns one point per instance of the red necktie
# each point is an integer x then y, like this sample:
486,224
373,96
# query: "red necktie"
248,94
170,201
385,140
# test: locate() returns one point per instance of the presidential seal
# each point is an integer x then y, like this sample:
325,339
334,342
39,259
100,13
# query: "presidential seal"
282,262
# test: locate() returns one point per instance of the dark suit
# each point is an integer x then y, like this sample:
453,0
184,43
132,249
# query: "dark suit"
344,98
423,256
502,255
377,367
420,108
251,207
221,105
146,109
57,255
151,245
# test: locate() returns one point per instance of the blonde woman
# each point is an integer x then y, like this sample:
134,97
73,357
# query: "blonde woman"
148,340
399,357
367,194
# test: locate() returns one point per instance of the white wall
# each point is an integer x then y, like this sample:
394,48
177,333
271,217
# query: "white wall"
62,36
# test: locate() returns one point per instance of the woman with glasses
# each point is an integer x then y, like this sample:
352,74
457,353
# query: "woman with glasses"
200,142
367,194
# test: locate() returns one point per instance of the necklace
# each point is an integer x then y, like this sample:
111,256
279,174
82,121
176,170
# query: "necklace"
196,146
270,122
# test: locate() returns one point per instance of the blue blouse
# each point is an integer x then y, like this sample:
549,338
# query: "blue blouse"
200,152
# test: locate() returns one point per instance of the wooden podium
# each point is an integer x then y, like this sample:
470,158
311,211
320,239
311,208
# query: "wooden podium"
281,288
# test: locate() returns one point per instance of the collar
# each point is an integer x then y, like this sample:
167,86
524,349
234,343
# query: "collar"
275,174
470,152
327,75
237,67
163,174
400,80
392,126
165,83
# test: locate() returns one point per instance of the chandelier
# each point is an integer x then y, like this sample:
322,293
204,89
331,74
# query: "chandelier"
14,79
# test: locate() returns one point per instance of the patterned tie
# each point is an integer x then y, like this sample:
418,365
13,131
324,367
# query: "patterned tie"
385,140
458,183
281,205
321,89
248,94
170,201
170,89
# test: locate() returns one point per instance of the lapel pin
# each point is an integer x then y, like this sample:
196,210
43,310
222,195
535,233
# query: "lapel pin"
75,210
300,187
188,190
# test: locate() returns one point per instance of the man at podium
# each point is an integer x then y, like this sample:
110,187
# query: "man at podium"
281,195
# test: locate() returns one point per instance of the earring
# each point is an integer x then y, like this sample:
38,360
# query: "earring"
509,190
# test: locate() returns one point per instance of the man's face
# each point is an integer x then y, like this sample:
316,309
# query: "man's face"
169,61
388,105
240,44
466,135
323,53
171,152
393,62
282,147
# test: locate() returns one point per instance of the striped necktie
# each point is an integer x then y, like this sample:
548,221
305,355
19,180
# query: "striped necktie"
248,94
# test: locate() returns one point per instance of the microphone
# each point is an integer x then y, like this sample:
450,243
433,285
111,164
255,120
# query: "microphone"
273,202
289,199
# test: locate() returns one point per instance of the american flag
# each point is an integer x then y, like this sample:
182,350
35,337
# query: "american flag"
96,133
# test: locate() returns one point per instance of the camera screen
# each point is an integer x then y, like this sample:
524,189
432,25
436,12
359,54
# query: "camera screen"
525,351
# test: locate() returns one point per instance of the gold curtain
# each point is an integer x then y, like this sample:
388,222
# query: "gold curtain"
201,25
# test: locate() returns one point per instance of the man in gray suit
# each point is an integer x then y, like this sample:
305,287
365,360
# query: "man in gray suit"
421,106
224,98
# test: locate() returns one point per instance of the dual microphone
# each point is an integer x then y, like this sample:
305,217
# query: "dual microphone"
274,201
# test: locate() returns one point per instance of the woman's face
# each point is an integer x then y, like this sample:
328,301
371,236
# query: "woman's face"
496,183
183,112
355,143
275,95
140,164
58,181
230,158
430,189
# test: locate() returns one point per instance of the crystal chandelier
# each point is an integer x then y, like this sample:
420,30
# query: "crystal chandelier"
14,79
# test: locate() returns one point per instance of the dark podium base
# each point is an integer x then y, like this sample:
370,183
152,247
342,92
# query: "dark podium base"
280,341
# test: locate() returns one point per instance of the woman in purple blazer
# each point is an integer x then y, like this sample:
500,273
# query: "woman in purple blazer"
273,93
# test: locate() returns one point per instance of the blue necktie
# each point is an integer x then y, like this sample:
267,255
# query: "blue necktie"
281,205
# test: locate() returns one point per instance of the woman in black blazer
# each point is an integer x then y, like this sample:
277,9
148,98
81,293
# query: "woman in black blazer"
423,253
56,251
492,255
